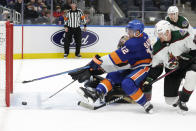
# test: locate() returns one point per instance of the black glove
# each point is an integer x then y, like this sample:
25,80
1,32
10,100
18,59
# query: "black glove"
187,59
95,63
81,75
193,60
194,39
85,74
95,66
147,86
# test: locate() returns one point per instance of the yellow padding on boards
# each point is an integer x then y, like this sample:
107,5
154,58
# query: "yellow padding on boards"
54,55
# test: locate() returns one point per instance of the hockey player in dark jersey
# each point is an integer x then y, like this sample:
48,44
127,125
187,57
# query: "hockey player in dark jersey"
174,49
177,21
116,92
137,53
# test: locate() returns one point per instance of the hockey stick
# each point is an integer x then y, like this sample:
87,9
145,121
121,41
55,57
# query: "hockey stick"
45,77
58,91
166,74
91,107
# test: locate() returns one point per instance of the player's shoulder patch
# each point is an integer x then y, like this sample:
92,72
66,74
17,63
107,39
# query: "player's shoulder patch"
182,32
185,23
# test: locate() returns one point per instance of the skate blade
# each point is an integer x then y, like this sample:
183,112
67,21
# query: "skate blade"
150,112
181,112
85,105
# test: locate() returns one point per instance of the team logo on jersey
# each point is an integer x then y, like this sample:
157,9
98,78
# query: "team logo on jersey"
185,23
89,38
182,32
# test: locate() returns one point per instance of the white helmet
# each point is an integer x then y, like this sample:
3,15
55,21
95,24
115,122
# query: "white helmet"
161,27
172,9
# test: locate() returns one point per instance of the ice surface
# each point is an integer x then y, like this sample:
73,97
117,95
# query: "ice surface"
61,113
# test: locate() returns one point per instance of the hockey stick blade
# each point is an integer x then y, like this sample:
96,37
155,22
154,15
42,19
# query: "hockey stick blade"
91,107
85,105
27,81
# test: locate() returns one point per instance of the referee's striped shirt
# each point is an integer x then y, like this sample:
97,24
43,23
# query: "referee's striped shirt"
75,18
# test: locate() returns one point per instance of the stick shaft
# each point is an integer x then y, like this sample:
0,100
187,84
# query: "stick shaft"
166,74
91,107
57,91
57,74
61,89
109,102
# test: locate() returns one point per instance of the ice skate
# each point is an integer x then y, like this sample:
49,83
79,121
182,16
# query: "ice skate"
183,106
176,104
148,107
90,95
66,55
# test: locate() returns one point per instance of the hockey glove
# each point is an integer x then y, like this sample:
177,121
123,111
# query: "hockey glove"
122,41
81,75
187,59
147,86
85,74
95,66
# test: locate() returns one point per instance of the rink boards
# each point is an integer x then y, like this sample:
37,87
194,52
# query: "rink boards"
46,41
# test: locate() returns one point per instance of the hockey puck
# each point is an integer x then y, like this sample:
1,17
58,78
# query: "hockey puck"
24,103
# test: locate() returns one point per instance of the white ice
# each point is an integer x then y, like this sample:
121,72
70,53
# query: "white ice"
61,113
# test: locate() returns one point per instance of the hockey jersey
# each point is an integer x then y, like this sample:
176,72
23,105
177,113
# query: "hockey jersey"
136,52
181,24
181,42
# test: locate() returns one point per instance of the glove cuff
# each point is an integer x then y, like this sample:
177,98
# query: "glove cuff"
149,79
97,60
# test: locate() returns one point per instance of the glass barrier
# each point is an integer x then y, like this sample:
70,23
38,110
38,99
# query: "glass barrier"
97,12
9,14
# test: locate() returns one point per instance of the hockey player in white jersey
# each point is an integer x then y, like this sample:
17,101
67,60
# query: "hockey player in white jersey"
173,49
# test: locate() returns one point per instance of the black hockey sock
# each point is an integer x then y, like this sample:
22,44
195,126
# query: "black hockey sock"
185,95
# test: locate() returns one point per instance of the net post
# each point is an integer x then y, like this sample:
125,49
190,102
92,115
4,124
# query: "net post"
9,62
11,57
7,87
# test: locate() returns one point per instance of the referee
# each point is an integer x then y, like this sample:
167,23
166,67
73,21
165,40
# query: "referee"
74,18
